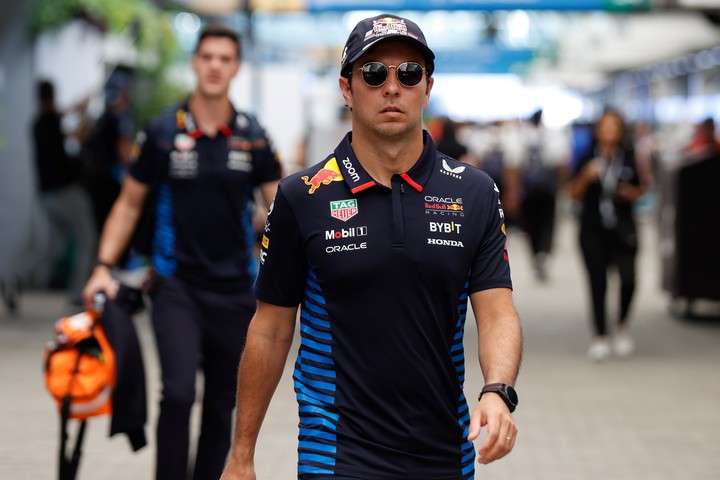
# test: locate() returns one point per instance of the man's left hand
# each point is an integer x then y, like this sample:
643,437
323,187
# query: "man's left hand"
491,412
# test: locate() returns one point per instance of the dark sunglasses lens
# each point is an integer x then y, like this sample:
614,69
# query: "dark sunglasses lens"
410,73
374,73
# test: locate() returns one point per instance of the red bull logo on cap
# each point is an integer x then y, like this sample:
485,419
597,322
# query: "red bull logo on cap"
326,175
387,26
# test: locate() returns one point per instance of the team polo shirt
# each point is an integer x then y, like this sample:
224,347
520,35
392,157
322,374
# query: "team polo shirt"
383,277
202,193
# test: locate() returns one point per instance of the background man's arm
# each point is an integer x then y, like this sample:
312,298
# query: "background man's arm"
268,190
264,196
116,234
500,352
269,338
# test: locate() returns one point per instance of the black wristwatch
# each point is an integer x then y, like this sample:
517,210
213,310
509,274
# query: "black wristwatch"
506,392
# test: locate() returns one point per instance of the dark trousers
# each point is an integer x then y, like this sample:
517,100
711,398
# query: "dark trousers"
197,330
538,220
602,249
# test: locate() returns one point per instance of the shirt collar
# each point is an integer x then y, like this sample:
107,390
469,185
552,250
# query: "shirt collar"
357,179
186,121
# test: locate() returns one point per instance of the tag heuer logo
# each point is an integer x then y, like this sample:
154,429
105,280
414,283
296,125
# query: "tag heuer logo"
343,209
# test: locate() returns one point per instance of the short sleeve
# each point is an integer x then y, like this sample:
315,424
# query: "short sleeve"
266,162
283,266
144,153
491,266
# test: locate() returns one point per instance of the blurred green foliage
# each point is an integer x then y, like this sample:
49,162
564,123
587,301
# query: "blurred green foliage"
148,26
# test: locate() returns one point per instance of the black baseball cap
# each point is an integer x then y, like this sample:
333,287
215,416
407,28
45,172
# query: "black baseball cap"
371,31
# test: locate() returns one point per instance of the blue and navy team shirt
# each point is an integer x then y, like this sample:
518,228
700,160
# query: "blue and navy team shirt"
383,277
202,189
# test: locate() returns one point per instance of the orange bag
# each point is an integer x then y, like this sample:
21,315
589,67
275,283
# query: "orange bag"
80,367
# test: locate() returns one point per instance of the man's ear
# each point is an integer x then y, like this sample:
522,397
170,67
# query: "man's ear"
430,83
346,89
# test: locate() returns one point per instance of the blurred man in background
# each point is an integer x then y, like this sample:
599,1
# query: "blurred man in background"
108,148
537,159
197,167
64,207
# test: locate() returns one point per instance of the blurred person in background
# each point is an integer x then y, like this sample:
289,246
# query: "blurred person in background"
197,168
704,143
486,144
449,144
109,145
536,159
647,152
379,383
606,183
492,161
64,205
647,160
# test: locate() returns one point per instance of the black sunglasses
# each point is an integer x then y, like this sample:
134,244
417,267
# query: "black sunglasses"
409,74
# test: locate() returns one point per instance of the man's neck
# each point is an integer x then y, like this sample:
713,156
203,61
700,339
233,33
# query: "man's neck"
384,157
210,113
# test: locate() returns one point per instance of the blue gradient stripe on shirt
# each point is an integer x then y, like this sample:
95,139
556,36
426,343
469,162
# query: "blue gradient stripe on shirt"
315,386
250,236
164,234
457,351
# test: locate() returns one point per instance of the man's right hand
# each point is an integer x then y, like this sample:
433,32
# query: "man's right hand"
101,280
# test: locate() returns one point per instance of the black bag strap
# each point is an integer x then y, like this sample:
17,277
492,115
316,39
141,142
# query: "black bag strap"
67,467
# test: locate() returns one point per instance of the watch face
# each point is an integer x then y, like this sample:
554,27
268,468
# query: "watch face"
512,394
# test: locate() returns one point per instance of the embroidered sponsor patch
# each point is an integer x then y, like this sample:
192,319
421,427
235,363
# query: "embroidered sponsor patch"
344,209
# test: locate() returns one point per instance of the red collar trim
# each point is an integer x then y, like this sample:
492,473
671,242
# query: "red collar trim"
411,182
225,130
364,186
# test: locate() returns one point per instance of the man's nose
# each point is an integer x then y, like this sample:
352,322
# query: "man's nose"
392,83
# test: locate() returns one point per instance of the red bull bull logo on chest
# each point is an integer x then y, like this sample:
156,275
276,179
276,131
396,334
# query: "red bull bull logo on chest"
325,176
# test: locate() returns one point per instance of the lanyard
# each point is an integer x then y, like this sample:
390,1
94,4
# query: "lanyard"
609,179
611,174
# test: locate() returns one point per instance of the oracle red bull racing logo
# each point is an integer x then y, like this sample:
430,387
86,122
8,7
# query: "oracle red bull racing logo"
446,206
325,176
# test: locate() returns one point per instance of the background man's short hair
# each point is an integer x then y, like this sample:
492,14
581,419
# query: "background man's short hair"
45,90
220,31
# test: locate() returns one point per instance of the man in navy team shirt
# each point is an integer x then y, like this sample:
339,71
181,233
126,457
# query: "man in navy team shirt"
382,244
197,167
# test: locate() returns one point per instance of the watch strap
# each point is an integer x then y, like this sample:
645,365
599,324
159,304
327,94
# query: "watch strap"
105,264
502,390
